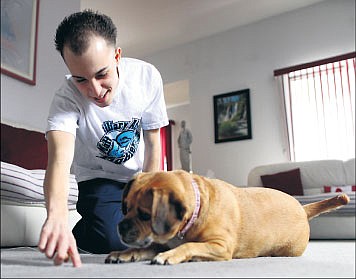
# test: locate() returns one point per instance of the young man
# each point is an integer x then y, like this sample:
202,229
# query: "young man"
104,125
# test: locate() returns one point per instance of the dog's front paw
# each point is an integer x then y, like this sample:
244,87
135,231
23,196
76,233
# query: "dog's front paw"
167,258
129,255
120,257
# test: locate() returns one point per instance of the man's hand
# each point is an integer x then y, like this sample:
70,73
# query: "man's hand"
58,242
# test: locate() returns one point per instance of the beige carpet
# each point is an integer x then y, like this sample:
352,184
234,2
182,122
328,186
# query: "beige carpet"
322,259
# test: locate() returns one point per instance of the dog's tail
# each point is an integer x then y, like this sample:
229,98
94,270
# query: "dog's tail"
316,208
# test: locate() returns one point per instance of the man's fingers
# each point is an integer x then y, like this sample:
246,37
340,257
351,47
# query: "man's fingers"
42,243
59,245
51,247
66,259
48,241
58,260
61,251
74,255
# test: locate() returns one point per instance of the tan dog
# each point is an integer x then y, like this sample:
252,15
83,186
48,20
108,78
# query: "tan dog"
173,217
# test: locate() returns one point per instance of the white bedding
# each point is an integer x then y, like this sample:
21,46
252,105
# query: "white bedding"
25,187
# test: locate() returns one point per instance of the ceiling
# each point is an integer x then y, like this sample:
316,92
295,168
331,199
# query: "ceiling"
148,26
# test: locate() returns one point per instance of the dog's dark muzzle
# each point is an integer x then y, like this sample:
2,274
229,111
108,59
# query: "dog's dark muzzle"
127,230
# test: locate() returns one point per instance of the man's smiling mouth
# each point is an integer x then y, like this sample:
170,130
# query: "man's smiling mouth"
102,98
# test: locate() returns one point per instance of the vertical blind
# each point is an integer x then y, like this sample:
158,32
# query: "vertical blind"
319,106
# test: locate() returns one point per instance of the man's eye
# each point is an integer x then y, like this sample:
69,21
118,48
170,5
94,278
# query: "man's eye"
80,80
143,216
102,75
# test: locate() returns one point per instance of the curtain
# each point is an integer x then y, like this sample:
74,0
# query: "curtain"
166,146
319,107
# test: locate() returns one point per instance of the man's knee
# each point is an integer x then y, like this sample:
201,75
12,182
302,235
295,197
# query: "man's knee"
97,240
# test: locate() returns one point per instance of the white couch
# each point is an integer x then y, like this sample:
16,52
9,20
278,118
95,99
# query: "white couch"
339,224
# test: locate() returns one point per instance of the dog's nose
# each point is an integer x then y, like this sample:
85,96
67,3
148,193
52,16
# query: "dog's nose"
125,226
128,232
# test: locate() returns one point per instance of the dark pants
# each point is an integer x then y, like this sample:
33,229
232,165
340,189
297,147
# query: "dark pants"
99,204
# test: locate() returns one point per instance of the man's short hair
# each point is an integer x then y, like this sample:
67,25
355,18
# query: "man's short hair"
76,29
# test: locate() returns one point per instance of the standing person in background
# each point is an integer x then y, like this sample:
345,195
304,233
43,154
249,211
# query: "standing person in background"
185,139
104,123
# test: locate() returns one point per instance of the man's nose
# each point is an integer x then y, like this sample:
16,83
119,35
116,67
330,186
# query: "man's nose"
94,88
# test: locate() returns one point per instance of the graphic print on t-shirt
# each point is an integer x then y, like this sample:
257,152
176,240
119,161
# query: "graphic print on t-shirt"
120,141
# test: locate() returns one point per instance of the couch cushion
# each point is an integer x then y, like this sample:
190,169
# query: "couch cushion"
24,148
349,167
288,182
316,174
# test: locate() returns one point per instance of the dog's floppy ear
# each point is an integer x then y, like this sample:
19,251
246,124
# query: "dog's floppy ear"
124,195
166,211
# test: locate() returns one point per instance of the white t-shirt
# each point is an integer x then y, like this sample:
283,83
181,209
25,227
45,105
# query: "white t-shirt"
109,141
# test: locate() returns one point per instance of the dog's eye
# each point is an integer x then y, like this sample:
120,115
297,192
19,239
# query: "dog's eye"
143,216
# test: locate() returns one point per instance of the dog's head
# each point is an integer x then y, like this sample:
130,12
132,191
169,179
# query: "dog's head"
155,207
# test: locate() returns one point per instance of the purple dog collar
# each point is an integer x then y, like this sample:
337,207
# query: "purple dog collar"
195,213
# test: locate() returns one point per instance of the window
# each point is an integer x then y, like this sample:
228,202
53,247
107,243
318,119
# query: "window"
319,105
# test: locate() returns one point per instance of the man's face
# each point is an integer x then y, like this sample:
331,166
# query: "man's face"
95,71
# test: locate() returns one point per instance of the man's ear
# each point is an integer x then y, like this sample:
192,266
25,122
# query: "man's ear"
118,54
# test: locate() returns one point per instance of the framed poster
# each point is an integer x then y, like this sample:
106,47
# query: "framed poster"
19,21
232,116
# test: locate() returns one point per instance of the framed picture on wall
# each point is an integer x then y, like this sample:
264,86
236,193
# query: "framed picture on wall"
19,20
232,116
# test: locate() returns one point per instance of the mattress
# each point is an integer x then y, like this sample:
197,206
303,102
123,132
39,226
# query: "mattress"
21,224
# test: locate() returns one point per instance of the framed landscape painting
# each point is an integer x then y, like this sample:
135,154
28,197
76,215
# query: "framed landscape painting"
232,116
19,20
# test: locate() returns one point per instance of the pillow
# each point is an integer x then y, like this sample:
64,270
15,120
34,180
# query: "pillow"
26,186
287,181
341,188
24,148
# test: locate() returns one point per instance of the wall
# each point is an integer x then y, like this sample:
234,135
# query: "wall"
26,105
245,57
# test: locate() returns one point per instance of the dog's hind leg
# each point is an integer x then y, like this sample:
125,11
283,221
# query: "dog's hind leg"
314,209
